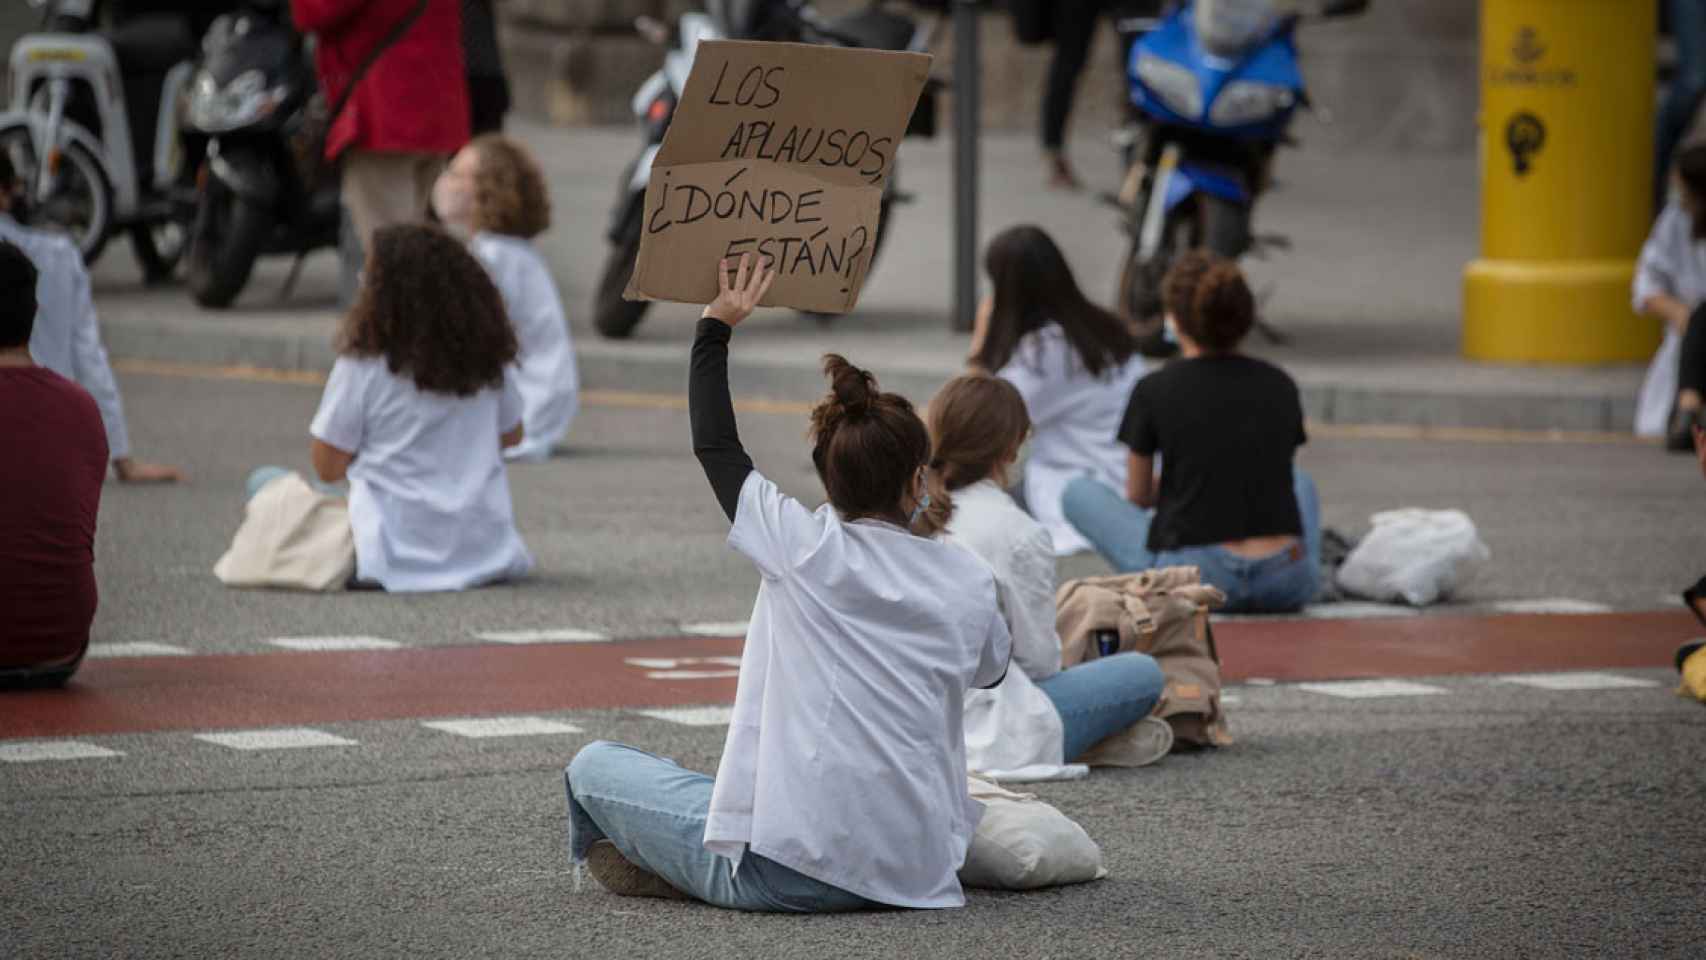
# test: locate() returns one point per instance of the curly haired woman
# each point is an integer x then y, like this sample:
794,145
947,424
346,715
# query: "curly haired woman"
494,194
415,412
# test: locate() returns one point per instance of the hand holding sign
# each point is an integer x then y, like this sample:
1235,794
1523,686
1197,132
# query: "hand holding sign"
736,302
779,151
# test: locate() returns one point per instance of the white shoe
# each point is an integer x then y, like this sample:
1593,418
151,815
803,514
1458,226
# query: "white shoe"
1138,745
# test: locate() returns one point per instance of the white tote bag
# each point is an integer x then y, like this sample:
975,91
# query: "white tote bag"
1414,555
293,537
1023,843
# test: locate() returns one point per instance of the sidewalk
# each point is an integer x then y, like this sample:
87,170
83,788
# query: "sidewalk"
1369,294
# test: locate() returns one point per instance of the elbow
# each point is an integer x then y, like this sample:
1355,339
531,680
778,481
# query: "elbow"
330,472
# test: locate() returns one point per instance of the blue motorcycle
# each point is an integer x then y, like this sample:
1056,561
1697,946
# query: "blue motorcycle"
1214,86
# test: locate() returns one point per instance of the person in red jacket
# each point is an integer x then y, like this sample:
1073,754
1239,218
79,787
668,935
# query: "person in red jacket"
409,111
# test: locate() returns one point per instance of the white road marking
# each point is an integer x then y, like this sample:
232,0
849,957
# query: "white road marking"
33,751
724,628
502,727
140,648
289,738
1356,610
1365,689
1551,605
547,635
1576,681
321,644
693,716
1260,682
670,663
690,674
1227,698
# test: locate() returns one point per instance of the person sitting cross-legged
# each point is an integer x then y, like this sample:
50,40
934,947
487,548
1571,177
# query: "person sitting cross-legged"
55,459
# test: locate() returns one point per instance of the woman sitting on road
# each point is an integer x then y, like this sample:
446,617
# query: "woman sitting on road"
1670,285
1073,362
494,194
1229,500
416,412
843,779
1040,716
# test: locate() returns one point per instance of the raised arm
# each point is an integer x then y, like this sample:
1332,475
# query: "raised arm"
716,440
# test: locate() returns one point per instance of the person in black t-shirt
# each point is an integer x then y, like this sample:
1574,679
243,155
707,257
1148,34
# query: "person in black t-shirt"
1229,499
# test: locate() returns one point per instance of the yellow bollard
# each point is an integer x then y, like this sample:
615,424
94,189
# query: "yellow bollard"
1566,181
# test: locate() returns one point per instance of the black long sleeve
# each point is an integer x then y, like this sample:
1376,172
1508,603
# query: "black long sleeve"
716,441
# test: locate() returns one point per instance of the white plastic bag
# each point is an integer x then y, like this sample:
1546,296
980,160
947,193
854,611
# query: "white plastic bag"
1023,843
1414,555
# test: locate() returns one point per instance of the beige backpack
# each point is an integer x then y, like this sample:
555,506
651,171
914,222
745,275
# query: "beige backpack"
1163,613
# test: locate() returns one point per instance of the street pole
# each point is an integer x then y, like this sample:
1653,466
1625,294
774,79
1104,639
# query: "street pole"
966,79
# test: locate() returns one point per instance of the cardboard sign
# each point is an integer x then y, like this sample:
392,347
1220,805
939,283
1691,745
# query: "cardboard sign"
779,150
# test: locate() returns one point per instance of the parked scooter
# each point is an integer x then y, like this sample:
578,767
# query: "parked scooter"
654,104
1214,86
265,189
93,129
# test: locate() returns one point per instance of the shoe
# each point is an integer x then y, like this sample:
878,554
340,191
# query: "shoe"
1060,175
1679,436
620,876
1138,745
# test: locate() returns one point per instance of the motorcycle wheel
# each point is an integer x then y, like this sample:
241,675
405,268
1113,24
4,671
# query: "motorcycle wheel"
225,238
614,317
81,205
159,247
1219,225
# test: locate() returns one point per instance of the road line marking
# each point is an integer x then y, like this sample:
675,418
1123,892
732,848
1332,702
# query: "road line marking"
1576,681
502,727
289,738
1356,610
670,663
691,674
140,648
546,635
319,644
1367,689
716,628
1558,605
36,751
693,716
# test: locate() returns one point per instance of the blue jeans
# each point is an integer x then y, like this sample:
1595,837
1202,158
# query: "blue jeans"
654,811
1278,583
1688,26
1099,698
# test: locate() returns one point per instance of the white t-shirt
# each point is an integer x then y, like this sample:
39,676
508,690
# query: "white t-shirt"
545,370
1075,418
1672,262
845,759
1015,725
429,500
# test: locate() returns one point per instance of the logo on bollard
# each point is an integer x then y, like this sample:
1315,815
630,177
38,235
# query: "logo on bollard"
1527,48
1525,134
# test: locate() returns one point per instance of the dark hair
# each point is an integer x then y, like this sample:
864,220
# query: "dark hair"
1691,167
17,296
1034,287
429,308
867,445
509,191
1222,311
8,173
1179,285
976,422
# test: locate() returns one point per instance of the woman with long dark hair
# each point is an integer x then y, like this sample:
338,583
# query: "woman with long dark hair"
1074,362
1670,285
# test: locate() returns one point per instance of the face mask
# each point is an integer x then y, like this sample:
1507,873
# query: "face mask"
918,511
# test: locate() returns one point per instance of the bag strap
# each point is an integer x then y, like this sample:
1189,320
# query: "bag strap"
385,43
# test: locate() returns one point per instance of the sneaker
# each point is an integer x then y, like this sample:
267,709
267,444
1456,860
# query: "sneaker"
620,876
1138,745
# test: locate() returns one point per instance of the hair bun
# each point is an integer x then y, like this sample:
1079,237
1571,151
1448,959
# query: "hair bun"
853,388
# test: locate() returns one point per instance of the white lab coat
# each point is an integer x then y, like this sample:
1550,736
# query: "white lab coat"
1075,419
1013,731
545,370
1674,263
67,337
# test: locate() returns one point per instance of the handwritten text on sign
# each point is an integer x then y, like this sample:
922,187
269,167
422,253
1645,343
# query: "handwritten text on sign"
781,151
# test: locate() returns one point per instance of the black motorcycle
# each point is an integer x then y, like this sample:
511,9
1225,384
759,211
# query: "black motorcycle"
265,187
654,104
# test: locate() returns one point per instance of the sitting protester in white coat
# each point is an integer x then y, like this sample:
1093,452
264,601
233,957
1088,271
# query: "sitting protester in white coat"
1670,285
1075,364
1040,716
494,193
842,784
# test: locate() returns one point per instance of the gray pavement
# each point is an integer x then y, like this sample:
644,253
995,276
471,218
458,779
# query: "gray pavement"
1369,294
1490,819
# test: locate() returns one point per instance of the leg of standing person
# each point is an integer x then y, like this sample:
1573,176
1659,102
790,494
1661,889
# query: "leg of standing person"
1102,697
1690,382
1074,27
1688,27
1116,527
385,188
654,812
